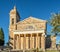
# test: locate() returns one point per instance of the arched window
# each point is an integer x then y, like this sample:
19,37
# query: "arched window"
12,20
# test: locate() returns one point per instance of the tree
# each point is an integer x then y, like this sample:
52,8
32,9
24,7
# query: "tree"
1,37
55,23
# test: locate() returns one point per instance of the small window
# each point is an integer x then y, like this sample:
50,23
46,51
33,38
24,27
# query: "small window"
16,27
12,20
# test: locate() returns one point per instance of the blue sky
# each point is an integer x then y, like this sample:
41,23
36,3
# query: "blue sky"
37,8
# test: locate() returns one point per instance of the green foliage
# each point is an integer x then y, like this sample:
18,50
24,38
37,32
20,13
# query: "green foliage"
55,23
1,37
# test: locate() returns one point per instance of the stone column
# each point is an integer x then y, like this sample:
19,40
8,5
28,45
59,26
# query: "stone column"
19,42
36,40
24,41
31,42
43,41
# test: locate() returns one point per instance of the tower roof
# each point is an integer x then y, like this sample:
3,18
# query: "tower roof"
13,10
15,7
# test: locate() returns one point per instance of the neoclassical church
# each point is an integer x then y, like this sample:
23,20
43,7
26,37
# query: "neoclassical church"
29,33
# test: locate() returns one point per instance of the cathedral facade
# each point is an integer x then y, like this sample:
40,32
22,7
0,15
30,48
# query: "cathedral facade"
29,33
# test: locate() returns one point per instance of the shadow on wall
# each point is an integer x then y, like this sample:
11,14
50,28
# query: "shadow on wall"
48,41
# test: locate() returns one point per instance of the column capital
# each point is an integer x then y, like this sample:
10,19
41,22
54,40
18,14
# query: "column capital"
43,34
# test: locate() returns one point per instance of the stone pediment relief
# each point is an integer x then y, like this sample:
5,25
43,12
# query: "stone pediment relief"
31,23
30,27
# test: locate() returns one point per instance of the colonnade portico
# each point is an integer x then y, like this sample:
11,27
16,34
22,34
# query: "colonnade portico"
29,40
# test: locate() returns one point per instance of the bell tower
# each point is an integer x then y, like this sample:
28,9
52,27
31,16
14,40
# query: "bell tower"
14,19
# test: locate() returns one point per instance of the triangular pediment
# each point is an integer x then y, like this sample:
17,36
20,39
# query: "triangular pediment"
31,23
32,20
